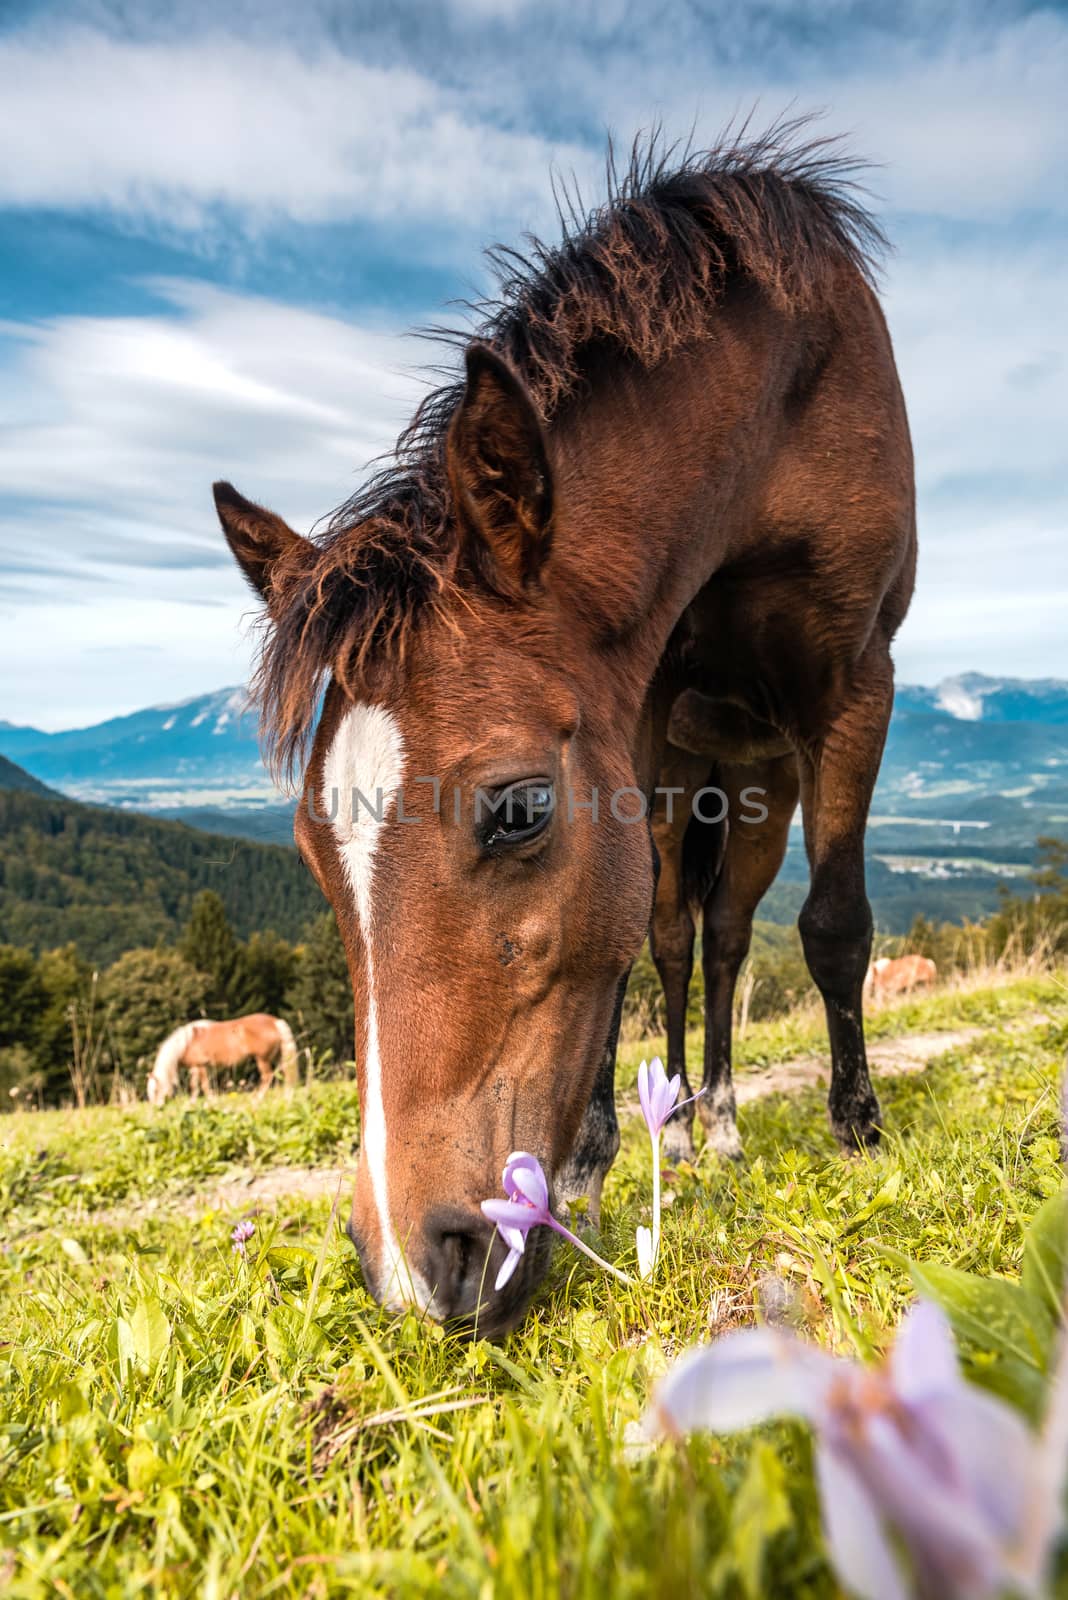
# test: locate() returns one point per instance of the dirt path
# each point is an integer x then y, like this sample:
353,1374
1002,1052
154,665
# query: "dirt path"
261,1191
888,1058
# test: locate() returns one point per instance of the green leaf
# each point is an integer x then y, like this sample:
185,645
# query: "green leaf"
760,1512
885,1197
280,1335
142,1465
990,1312
122,1347
151,1333
73,1249
1045,1257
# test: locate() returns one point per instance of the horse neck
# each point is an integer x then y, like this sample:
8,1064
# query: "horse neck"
632,548
170,1053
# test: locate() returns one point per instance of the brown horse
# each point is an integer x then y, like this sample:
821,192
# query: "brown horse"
678,460
889,976
199,1046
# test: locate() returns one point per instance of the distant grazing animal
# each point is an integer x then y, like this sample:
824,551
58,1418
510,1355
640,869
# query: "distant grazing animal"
887,976
199,1046
677,460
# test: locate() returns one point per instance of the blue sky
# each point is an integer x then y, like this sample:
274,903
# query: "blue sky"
217,224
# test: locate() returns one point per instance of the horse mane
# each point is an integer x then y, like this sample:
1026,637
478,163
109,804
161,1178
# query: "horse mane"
640,275
169,1056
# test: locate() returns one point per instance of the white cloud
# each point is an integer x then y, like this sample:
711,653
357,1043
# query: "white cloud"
136,415
982,345
443,119
962,120
171,131
111,433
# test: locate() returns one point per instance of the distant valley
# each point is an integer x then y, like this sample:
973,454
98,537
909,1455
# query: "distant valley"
975,769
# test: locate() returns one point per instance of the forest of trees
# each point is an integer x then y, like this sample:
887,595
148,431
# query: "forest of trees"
108,881
70,1029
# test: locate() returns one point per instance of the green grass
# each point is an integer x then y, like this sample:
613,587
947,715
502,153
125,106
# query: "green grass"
176,1421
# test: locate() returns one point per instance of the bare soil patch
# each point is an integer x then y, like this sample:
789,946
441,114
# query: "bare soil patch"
888,1058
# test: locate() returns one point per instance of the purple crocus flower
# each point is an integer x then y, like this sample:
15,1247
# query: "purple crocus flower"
657,1094
910,1450
240,1236
526,1207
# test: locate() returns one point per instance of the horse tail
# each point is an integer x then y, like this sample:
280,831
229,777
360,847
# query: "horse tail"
287,1056
163,1079
703,845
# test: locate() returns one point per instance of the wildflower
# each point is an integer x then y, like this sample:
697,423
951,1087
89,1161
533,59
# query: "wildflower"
241,1235
526,1207
657,1094
910,1450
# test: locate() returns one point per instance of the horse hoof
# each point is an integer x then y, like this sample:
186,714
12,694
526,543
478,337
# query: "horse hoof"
859,1131
724,1138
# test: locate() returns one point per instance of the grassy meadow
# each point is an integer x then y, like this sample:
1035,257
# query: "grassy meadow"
178,1421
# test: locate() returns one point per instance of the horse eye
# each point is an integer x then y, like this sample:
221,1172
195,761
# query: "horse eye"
513,815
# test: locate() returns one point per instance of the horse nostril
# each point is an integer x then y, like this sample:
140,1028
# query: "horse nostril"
458,1246
454,1254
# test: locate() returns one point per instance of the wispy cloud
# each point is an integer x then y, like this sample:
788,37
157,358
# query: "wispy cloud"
454,117
134,416
111,433
220,129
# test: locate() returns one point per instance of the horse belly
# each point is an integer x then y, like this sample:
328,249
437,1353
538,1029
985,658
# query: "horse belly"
706,725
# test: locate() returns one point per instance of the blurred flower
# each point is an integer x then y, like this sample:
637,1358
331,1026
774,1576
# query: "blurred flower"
526,1207
657,1094
909,1451
1047,1522
241,1235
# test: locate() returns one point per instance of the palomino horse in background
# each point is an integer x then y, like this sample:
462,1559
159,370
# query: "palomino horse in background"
888,976
677,459
199,1046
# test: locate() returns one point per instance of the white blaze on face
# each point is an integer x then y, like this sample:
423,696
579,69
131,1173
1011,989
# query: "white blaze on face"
362,776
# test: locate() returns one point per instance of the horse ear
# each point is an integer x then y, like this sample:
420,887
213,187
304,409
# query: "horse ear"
499,472
259,540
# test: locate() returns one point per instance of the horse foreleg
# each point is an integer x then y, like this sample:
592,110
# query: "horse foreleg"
753,855
836,922
266,1072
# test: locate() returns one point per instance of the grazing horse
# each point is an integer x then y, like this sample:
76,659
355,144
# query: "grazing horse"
677,460
888,976
199,1046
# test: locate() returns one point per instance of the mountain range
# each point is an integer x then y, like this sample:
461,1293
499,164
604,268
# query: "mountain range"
967,737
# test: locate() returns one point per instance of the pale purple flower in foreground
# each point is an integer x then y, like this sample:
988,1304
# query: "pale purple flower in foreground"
240,1236
1046,1522
909,1449
657,1094
526,1207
